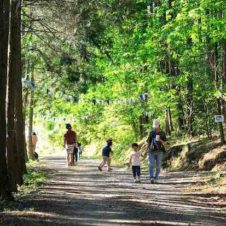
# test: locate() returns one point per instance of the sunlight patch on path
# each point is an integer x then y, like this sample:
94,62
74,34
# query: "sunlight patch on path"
82,195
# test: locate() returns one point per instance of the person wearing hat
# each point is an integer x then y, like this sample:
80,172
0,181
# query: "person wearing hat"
106,154
155,150
70,139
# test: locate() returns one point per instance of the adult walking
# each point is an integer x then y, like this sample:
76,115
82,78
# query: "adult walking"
155,150
106,154
70,139
34,139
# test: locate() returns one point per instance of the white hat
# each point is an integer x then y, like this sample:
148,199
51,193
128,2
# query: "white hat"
156,123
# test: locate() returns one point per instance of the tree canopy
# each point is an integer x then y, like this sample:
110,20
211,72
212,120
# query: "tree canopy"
102,56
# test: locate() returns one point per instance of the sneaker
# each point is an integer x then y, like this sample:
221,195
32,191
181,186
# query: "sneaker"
138,181
135,181
152,180
109,169
99,168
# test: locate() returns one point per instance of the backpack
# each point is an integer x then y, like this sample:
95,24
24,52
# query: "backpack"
155,145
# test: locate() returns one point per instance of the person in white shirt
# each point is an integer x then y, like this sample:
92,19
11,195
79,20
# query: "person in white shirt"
135,157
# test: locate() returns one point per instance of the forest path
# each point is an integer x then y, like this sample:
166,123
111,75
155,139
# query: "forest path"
82,195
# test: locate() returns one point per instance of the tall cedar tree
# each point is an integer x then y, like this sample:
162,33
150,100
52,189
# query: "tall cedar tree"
20,122
15,149
4,31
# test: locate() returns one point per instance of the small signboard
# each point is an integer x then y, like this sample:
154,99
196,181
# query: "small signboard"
219,118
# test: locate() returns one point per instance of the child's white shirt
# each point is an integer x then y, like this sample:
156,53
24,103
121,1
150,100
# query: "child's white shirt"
135,156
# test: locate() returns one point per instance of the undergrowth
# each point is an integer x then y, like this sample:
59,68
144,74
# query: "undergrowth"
33,179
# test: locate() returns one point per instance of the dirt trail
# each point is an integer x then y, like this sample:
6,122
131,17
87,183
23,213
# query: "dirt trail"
82,195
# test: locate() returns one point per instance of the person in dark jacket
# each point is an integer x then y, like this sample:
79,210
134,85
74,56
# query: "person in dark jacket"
155,150
106,154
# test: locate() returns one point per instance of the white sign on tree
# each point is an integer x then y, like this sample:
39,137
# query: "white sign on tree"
219,118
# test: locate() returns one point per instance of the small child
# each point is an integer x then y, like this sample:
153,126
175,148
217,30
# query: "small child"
80,150
135,162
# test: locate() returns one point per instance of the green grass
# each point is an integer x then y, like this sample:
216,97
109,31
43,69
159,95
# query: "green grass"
33,179
214,184
215,179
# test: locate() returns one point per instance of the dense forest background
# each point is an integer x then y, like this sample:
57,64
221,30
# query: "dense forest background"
109,67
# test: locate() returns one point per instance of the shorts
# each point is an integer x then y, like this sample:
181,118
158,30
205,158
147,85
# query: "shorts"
136,171
70,148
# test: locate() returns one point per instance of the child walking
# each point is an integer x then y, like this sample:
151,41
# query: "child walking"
106,154
135,156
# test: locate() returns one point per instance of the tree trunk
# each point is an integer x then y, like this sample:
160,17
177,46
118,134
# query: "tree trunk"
190,106
30,123
224,61
25,104
170,120
20,123
224,74
141,126
221,129
5,192
216,81
181,120
175,72
25,107
207,121
167,124
12,155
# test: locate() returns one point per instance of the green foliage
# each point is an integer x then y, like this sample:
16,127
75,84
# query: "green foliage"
120,50
216,178
33,179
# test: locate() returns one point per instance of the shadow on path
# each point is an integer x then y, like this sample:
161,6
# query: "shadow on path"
82,195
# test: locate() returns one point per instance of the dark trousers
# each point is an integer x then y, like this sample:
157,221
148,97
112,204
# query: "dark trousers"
76,154
136,171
